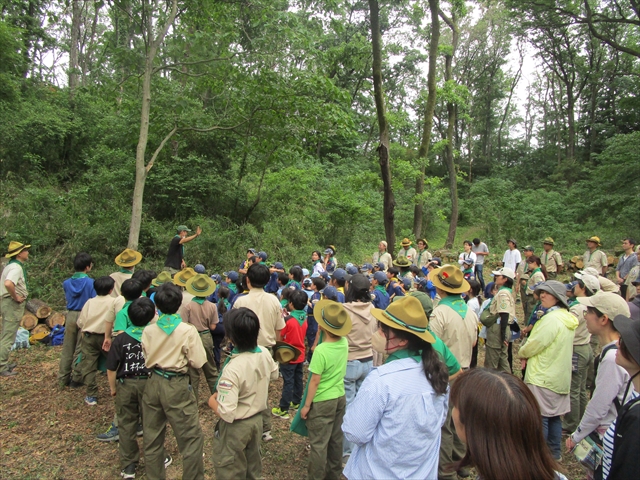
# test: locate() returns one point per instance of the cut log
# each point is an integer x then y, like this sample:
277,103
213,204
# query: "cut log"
611,260
56,318
38,308
29,321
41,327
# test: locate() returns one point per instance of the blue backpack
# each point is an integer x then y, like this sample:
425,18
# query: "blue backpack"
57,335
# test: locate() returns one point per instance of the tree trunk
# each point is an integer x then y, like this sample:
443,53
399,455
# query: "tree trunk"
38,308
383,126
429,110
76,14
571,142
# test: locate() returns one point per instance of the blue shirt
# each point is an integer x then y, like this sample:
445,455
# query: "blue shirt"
395,422
380,300
77,291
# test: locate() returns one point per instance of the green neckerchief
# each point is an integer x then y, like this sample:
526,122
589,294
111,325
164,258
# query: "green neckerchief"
404,353
538,269
168,323
284,302
456,303
233,287
79,275
294,283
235,351
226,303
505,288
143,294
572,302
380,288
199,300
125,270
24,272
299,315
135,332
317,262
468,270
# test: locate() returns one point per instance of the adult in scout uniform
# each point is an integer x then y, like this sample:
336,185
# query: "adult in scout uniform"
423,256
14,290
382,256
407,250
241,397
203,315
457,326
551,259
170,348
536,277
127,260
522,275
175,256
595,258
503,308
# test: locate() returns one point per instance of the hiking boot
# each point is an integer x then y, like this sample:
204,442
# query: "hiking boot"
280,413
167,460
8,373
110,435
266,436
74,384
294,406
11,366
91,400
129,471
139,431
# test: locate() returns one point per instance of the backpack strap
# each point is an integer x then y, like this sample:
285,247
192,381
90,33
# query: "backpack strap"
596,364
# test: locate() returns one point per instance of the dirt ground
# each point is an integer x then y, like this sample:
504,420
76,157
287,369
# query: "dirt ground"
48,433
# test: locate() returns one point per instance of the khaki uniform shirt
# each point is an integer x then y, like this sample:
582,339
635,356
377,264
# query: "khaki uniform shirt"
385,259
96,312
186,300
14,273
582,335
267,307
522,272
422,259
457,334
596,259
633,275
119,278
176,352
534,279
552,261
504,302
204,317
410,253
119,303
244,385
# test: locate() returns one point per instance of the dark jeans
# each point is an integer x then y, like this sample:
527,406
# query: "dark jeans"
292,385
218,337
479,277
552,431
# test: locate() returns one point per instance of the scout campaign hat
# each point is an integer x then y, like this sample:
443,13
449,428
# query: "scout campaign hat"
128,258
595,240
200,285
183,228
423,240
284,352
405,242
629,330
548,241
555,288
163,277
609,303
183,276
332,317
402,261
450,279
529,248
425,301
406,314
505,272
15,248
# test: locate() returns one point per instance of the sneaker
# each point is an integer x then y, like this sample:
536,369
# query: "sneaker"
74,384
129,472
167,460
266,436
294,406
280,413
139,431
91,400
110,435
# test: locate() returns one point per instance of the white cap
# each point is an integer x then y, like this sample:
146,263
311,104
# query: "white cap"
505,272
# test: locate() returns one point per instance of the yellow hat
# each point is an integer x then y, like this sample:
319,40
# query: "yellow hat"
163,277
180,279
128,258
200,285
405,242
549,241
332,316
15,248
450,279
406,314
284,352
595,240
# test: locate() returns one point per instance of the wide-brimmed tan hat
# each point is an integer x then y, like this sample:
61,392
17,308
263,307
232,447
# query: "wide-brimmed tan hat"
284,352
182,277
163,277
609,303
406,314
450,279
402,262
405,242
200,285
423,240
332,317
15,248
128,258
595,240
548,241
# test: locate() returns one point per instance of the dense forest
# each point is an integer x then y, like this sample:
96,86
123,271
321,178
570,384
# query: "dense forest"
289,125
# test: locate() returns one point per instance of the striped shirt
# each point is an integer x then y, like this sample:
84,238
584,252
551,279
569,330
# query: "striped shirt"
607,442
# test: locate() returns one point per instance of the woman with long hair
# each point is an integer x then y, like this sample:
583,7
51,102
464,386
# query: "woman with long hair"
498,418
396,418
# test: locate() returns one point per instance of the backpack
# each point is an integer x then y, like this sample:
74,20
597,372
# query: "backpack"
22,339
57,335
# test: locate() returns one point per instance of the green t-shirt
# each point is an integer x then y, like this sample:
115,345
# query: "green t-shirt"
447,357
330,362
122,321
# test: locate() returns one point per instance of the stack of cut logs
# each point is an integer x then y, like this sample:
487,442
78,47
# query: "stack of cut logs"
39,317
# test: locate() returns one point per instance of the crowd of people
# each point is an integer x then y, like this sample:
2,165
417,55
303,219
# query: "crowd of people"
391,348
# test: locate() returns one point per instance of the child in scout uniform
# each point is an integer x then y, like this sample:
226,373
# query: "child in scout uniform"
551,259
14,290
293,333
502,309
128,374
536,275
379,294
241,397
325,402
131,290
127,260
170,347
94,317
203,315
77,290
